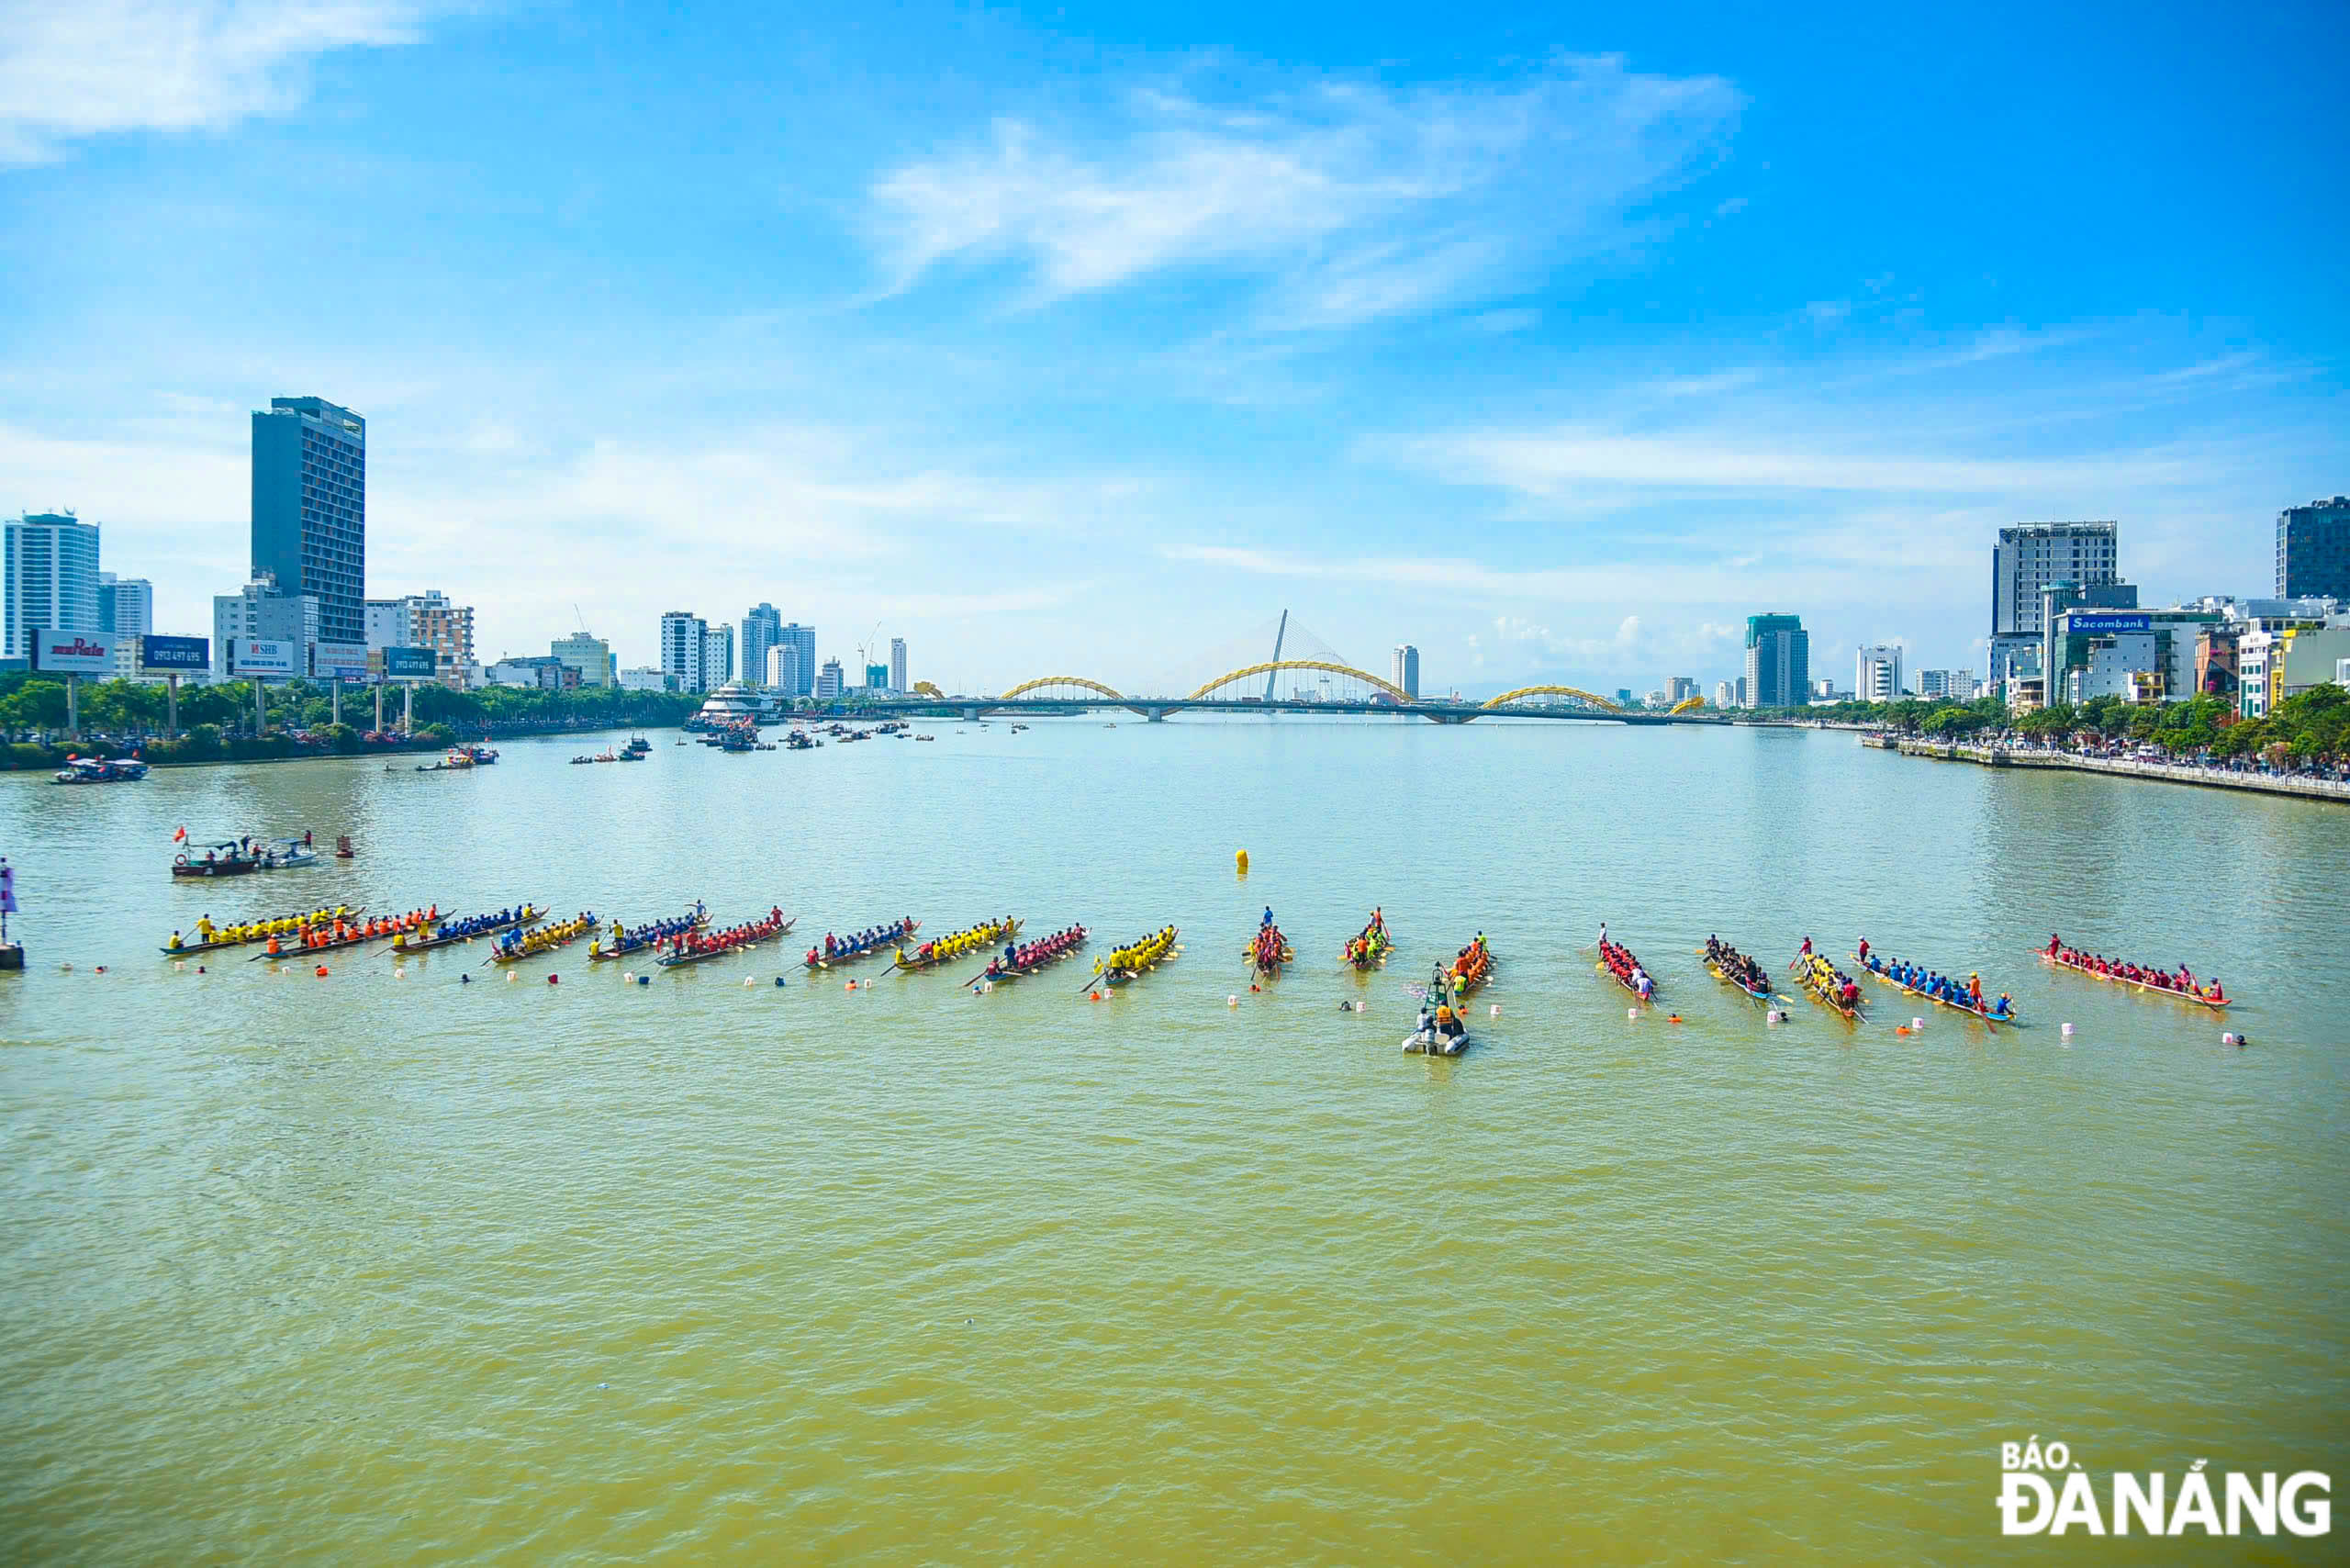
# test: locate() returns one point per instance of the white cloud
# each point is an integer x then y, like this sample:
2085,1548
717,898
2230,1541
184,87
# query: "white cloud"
1548,462
71,68
1359,200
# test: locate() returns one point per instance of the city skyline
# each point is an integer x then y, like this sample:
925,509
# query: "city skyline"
891,355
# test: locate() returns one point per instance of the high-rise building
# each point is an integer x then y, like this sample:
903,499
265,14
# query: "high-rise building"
591,656
717,657
1778,661
762,627
1724,694
310,508
802,640
1623,697
898,665
259,610
2028,558
1679,688
1405,671
2313,550
684,639
877,678
1877,674
126,614
52,577
783,671
829,681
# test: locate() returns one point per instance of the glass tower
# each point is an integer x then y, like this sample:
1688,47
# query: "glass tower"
310,508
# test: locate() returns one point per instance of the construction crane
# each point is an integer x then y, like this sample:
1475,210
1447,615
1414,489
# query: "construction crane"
582,619
865,650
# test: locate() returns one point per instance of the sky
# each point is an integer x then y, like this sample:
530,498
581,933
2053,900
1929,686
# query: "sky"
1083,339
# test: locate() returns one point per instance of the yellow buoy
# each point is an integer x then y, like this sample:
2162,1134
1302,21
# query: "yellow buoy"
1240,862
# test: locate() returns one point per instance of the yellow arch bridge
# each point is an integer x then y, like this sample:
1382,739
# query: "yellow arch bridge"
1374,695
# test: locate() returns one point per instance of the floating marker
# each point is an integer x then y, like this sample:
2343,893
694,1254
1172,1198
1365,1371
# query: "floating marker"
778,982
511,977
1631,1012
645,980
552,978
746,982
1917,1025
2067,1031
2231,1038
1232,1001
1493,1010
322,971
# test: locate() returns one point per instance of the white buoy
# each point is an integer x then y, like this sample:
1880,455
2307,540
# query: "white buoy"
1915,1024
511,977
2231,1038
399,974
1493,1010
2067,1031
1631,1012
627,974
1772,1015
746,982
1231,1001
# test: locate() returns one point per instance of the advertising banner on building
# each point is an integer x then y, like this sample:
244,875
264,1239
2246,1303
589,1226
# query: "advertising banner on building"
411,664
72,652
175,656
2107,625
338,661
262,656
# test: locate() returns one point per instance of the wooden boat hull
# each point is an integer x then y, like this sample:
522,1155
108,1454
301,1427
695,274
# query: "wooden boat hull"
1765,995
2057,963
433,943
1009,930
636,947
680,960
886,944
1993,1019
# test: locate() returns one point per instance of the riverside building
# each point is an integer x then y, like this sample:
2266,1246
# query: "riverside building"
309,505
1877,674
2313,550
52,577
1778,662
2027,559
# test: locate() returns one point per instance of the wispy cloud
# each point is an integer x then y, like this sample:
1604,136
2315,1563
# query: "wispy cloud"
1550,461
1356,200
73,69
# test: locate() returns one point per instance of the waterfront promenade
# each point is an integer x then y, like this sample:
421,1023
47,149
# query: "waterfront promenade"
2169,772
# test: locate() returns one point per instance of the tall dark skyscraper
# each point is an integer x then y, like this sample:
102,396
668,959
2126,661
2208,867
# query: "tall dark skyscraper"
2313,550
310,508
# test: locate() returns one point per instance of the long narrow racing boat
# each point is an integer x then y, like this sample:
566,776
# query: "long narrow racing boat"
246,932
349,935
1268,949
1131,961
1828,986
970,940
1371,947
863,946
1735,970
1877,969
737,939
2213,996
1471,967
648,935
1041,954
449,933
516,946
1616,962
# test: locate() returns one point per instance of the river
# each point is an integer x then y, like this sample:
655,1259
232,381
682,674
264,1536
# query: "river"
382,1267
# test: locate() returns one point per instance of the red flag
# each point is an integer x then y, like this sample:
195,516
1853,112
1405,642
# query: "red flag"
180,836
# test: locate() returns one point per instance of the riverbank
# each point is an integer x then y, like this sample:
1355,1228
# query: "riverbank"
2167,772
28,758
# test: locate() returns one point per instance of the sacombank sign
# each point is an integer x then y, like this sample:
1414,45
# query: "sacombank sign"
72,652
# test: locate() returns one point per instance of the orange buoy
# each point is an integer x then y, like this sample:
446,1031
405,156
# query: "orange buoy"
322,971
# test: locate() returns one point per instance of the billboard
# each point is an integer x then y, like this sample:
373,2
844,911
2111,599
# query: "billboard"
2082,625
72,652
410,664
338,661
261,656
182,656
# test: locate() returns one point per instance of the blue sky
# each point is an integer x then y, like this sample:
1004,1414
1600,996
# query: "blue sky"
1082,339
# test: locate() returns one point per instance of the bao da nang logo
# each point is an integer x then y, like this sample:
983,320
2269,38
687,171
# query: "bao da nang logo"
2043,1492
